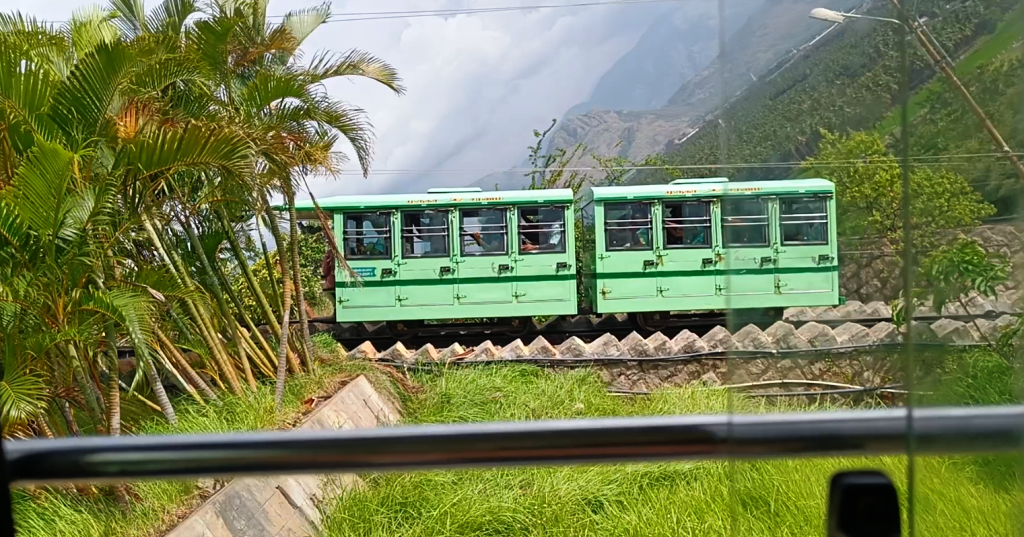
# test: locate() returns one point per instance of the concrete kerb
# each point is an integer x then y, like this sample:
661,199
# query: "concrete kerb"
288,506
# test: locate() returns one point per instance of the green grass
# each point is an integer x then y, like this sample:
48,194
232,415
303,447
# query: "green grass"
987,49
955,495
48,513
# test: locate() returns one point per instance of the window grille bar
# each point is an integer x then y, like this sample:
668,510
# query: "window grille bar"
944,430
787,222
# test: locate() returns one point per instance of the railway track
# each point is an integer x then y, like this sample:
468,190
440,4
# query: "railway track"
589,328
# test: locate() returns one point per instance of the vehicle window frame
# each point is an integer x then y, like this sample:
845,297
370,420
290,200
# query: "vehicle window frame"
825,220
605,227
445,212
462,226
709,225
563,209
766,225
386,235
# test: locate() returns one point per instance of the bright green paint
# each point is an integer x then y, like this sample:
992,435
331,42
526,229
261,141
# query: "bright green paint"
458,285
710,190
715,277
518,283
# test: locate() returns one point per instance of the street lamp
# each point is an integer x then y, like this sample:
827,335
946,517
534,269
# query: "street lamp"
942,64
838,17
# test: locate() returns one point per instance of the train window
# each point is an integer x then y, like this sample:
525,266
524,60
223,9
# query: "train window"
804,220
542,230
745,222
425,233
687,224
367,235
483,231
627,226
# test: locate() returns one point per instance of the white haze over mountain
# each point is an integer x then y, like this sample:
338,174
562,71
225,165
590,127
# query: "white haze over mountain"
477,84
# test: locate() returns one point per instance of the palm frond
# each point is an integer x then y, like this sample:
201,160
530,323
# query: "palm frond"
25,91
89,27
23,387
327,64
40,190
130,17
169,17
351,122
195,147
81,104
302,22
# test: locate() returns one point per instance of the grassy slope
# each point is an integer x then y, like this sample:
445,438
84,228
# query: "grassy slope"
987,49
161,503
957,496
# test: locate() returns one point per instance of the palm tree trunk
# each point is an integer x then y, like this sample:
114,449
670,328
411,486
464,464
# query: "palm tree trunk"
69,418
286,299
193,377
113,387
297,278
218,294
262,364
248,321
282,353
270,265
92,397
257,292
179,381
158,390
205,326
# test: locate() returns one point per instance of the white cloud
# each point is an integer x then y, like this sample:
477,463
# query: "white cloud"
477,84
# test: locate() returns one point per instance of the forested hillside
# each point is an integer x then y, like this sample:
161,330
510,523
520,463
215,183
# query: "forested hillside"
849,82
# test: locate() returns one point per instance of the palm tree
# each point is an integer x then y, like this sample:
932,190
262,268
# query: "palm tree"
86,127
291,120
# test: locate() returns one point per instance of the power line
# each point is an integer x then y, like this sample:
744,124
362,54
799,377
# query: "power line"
922,160
356,16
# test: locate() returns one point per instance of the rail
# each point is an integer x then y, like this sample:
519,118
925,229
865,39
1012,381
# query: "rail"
729,436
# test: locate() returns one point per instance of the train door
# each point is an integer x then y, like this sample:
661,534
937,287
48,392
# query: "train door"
626,255
544,257
485,268
688,252
748,267
367,244
807,250
427,275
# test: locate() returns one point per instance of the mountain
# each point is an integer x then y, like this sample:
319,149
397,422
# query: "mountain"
772,34
660,90
672,49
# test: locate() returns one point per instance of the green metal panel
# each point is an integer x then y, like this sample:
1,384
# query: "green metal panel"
427,275
627,267
545,275
748,250
437,198
689,255
485,273
374,290
713,188
768,274
807,248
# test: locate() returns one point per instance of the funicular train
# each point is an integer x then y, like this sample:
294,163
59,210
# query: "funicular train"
655,252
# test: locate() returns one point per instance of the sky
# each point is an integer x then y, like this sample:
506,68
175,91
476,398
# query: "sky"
477,85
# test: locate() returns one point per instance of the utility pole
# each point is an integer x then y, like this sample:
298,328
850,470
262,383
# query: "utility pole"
945,68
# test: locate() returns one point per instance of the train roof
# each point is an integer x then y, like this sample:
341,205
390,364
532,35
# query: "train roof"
435,197
712,187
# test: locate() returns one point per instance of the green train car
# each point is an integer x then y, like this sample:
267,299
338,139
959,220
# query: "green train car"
454,254
710,245
695,245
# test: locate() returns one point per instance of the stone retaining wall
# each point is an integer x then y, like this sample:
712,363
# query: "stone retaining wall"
287,506
836,361
871,270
